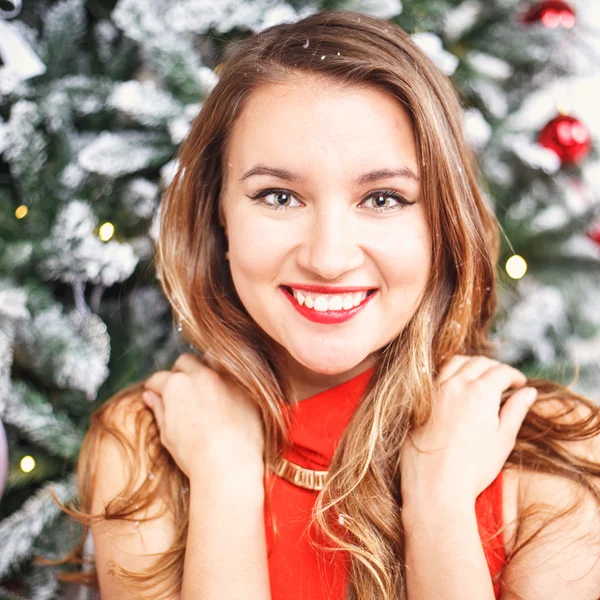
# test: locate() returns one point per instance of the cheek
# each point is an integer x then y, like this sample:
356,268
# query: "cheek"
256,249
405,256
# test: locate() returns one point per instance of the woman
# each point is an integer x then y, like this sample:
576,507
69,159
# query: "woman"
327,247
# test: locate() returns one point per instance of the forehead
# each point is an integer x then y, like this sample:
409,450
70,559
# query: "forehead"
314,126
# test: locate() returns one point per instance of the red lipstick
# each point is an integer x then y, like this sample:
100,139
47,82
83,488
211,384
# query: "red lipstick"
327,317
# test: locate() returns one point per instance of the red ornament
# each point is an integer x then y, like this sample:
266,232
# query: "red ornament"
551,14
594,233
566,136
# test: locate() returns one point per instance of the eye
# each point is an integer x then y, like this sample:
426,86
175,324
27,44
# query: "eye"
380,198
283,199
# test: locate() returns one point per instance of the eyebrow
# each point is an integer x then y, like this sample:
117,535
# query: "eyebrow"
404,172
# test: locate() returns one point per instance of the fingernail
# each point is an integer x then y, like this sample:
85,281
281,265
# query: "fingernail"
147,397
530,394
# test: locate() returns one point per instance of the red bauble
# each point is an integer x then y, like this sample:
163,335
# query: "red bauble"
566,136
594,233
551,14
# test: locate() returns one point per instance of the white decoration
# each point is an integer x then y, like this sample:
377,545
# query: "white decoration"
280,13
143,102
477,130
75,253
3,135
167,172
106,34
590,172
208,78
19,530
534,324
13,302
140,197
493,97
192,16
550,217
72,176
532,153
18,57
117,154
384,9
431,45
490,66
460,19
180,125
154,229
581,246
25,147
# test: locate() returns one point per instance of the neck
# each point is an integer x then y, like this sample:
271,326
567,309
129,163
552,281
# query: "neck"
306,383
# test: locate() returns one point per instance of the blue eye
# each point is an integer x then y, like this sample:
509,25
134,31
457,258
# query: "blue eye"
285,198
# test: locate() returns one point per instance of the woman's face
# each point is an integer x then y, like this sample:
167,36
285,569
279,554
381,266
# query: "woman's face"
329,220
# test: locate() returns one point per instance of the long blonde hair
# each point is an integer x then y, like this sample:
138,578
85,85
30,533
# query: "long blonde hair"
453,317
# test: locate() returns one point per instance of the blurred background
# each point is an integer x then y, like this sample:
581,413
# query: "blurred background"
95,98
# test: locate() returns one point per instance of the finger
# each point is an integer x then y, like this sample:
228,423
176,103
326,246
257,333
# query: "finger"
157,381
155,403
451,367
513,413
186,363
502,377
475,367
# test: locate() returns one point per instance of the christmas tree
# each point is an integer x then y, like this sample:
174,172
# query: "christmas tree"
95,98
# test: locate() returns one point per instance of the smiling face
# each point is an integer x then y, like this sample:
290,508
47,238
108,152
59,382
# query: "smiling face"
322,225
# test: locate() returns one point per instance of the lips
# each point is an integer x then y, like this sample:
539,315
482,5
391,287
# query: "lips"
327,316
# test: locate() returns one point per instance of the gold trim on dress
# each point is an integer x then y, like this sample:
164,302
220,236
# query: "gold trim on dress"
300,476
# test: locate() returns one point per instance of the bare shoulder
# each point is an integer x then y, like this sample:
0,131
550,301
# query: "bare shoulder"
118,458
562,559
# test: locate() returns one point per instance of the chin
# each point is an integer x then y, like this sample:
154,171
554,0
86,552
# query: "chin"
329,365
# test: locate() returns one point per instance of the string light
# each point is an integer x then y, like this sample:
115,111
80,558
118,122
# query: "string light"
107,230
21,211
27,464
516,266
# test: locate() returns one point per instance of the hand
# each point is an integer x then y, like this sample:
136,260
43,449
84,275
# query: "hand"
205,420
465,443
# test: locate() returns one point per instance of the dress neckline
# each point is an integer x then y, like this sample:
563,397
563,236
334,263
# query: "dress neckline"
318,422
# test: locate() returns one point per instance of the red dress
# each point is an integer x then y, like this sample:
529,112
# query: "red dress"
297,570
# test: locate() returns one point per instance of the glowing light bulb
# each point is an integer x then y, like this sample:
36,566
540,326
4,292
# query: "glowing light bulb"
21,211
516,266
27,464
107,230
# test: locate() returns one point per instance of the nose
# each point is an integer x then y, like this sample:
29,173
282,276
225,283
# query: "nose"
331,247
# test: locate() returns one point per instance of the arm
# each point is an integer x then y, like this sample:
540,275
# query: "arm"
124,543
444,555
226,554
564,560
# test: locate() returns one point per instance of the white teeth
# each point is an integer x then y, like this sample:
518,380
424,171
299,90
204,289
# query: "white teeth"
324,302
321,303
335,303
348,302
